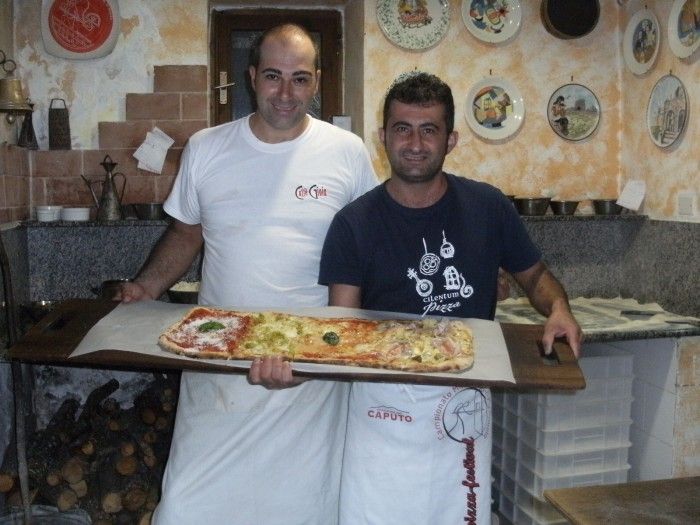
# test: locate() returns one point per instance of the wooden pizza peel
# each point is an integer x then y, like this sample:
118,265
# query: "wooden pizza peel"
55,337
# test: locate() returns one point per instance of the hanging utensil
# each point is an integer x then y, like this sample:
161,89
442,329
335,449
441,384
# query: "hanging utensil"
59,125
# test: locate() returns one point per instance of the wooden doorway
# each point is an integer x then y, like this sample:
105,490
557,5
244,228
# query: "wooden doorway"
233,34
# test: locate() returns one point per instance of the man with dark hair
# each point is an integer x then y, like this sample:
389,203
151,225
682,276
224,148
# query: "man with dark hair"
242,454
427,242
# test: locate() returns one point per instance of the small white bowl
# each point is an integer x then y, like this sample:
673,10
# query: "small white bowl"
75,214
48,213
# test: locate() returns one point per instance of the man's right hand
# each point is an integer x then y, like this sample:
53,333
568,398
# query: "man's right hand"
132,292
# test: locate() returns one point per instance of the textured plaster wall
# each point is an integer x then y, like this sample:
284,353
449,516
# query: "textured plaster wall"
533,161
536,160
157,32
667,171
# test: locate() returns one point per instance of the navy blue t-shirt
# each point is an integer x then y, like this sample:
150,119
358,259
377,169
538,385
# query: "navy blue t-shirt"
439,260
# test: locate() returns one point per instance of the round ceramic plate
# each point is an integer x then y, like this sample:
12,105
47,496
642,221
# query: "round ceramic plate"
494,21
640,45
494,108
683,27
573,112
667,112
415,25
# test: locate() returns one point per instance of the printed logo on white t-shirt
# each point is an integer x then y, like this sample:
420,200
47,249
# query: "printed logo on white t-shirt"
315,191
440,285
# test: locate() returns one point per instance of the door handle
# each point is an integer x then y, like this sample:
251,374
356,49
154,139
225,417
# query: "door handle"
223,84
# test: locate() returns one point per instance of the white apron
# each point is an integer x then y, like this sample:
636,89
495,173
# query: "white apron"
261,459
417,455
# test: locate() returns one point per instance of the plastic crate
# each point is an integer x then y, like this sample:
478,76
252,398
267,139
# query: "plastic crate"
605,362
506,507
537,508
533,511
609,435
577,415
556,465
496,457
536,484
596,390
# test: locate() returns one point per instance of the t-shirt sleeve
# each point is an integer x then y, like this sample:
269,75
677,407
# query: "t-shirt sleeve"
366,179
182,203
340,261
519,252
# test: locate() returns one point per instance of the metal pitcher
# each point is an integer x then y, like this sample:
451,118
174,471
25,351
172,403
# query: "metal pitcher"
109,205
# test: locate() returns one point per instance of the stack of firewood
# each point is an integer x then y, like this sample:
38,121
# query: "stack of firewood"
104,459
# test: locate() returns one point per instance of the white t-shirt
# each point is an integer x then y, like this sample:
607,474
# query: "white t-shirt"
242,454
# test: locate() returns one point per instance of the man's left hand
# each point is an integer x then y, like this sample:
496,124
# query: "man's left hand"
272,373
561,323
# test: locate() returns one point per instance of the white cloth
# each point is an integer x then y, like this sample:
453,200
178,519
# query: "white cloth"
417,455
242,454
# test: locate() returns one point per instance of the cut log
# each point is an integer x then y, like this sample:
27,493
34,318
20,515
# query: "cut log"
53,478
73,470
148,415
134,499
126,465
80,488
145,518
67,499
127,448
7,482
111,502
88,447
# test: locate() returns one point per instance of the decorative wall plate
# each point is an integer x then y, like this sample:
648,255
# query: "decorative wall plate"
494,108
684,27
494,21
417,24
667,112
80,30
573,112
640,45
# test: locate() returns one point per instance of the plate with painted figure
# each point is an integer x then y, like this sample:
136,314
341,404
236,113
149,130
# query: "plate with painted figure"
667,112
573,112
640,45
414,24
494,108
492,21
684,27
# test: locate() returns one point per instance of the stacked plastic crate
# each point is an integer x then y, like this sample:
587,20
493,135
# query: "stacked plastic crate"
544,440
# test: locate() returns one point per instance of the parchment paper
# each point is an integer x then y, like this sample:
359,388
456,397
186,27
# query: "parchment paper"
596,315
136,327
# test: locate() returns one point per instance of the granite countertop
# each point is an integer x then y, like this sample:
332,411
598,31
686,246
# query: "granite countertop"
605,319
526,218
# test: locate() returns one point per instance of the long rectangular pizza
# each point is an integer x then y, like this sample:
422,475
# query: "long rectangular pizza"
416,345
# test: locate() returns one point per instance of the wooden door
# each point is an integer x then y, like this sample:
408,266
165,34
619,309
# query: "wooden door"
233,34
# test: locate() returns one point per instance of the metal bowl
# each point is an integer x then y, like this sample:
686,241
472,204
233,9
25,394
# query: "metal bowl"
149,211
532,205
606,207
563,207
108,289
35,310
184,292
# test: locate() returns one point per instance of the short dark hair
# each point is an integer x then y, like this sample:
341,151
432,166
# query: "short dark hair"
282,30
421,88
